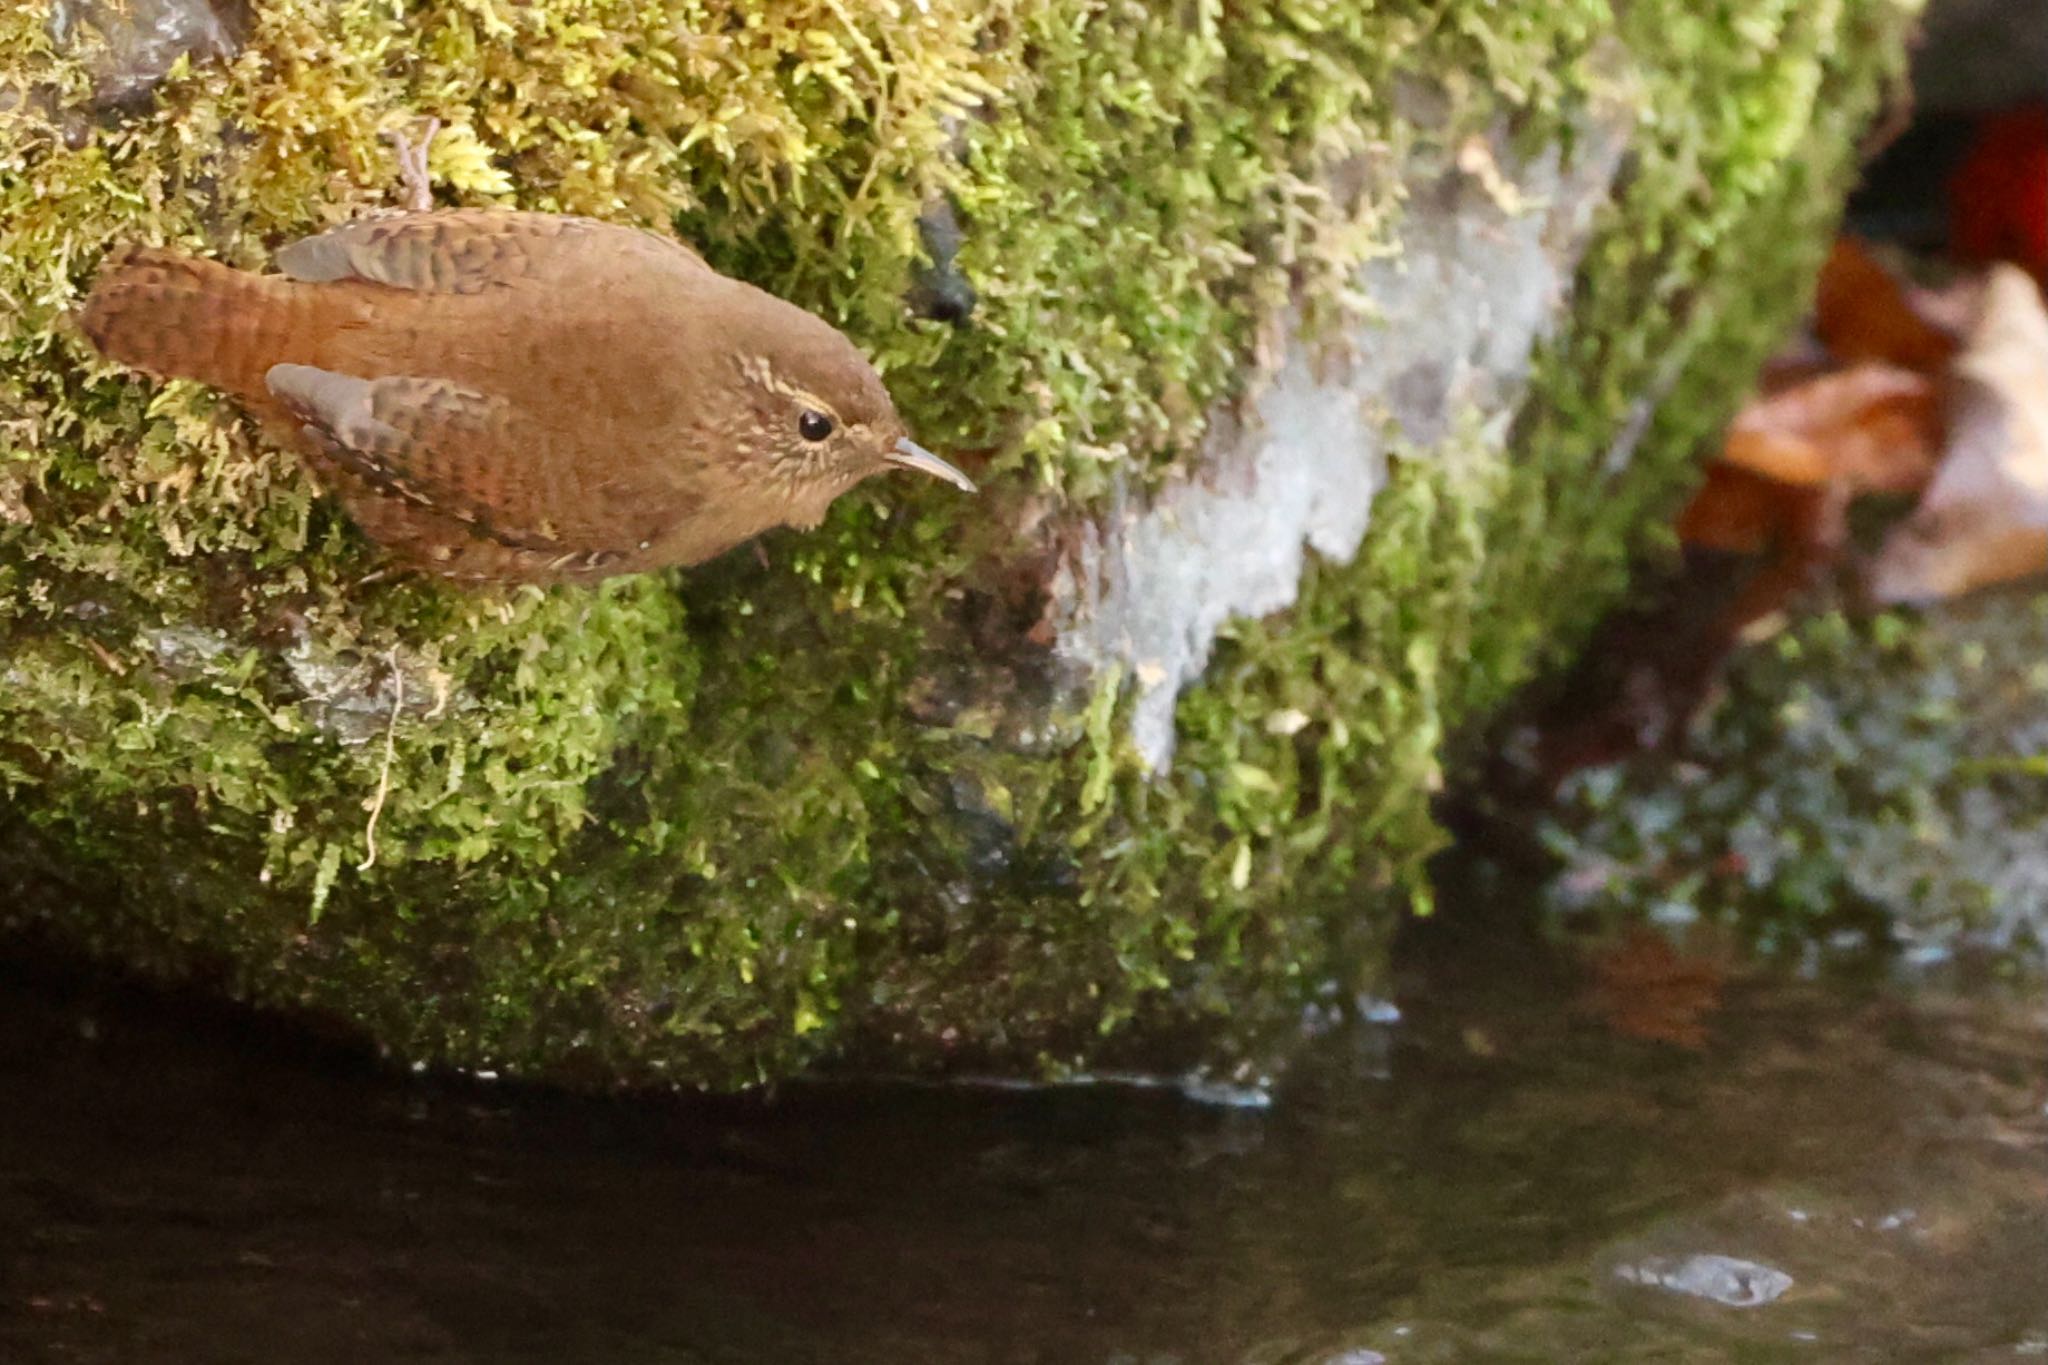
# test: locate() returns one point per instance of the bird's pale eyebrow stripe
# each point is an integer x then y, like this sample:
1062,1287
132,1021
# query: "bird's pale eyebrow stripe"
761,372
811,400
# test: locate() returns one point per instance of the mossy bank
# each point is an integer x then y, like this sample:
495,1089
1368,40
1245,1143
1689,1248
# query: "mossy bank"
841,799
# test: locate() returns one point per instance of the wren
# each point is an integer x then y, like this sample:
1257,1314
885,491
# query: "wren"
507,396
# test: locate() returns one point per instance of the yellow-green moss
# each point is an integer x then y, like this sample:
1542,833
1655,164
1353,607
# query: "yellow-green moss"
691,826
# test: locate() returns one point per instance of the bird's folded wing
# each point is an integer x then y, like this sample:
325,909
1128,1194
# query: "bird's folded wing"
463,251
460,454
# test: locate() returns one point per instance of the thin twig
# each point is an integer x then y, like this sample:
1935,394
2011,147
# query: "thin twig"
384,774
412,165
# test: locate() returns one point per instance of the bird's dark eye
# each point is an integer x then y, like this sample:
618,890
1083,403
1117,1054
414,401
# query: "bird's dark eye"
813,426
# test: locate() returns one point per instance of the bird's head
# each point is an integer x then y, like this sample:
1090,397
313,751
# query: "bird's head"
814,416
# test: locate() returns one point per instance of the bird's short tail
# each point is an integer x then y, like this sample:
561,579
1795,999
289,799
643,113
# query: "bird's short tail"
185,317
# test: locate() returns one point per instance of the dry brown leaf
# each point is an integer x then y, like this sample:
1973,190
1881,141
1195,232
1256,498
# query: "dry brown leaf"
1860,312
1772,514
1741,511
1984,518
1871,427
1791,464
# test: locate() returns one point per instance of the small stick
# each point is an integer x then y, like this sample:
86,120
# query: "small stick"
384,774
412,165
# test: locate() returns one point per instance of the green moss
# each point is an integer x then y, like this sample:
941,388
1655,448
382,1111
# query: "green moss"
1757,112
711,827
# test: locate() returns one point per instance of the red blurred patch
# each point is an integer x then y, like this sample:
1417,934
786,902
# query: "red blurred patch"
1998,197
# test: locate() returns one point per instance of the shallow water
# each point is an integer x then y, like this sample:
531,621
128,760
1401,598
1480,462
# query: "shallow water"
1840,1172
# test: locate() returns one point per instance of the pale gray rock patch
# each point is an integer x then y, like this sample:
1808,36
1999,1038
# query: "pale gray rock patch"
1481,275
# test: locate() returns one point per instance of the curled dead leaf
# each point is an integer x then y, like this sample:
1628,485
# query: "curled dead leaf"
1792,462
1744,512
1871,426
1862,312
1984,518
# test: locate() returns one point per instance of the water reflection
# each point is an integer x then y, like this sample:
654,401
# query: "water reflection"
1838,1174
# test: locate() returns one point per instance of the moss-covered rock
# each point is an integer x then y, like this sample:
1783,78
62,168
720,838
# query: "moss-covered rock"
868,797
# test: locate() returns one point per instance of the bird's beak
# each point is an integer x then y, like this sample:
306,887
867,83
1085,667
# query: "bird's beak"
908,454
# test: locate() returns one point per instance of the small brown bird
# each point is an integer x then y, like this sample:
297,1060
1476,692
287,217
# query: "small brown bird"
522,397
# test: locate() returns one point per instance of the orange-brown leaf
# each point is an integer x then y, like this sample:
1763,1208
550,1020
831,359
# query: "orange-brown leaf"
1739,510
1871,427
1861,313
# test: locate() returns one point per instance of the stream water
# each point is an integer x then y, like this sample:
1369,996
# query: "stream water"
1844,1170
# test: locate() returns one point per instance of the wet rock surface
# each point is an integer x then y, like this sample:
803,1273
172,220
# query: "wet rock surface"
1726,1280
941,291
130,45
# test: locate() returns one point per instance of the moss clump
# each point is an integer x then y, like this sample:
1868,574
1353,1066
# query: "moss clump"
710,827
1883,773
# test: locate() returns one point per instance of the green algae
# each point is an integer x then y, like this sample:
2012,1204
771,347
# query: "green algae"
702,827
